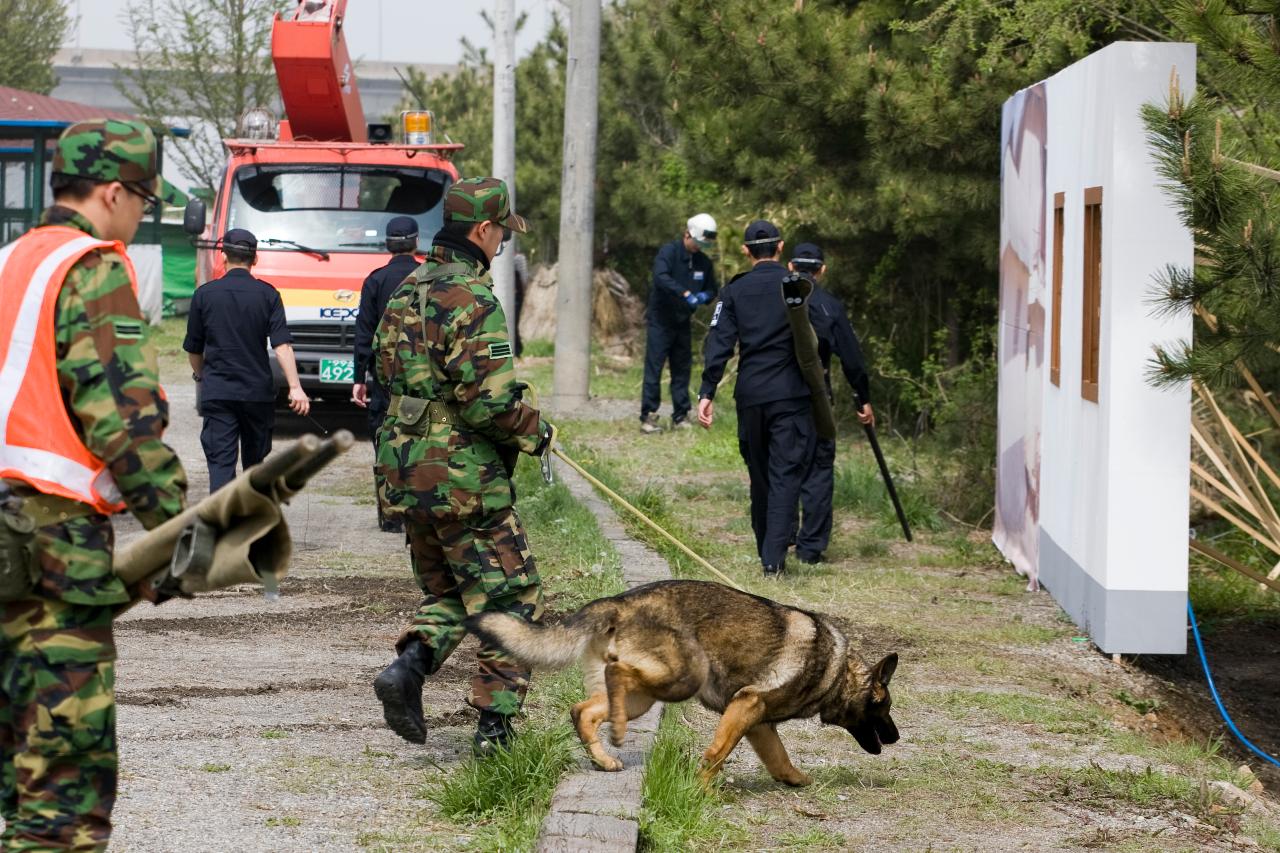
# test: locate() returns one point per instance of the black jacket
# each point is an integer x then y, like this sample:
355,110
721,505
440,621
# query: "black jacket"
676,270
835,334
751,317
374,295
232,320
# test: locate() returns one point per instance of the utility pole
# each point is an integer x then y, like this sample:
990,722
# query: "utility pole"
504,145
572,369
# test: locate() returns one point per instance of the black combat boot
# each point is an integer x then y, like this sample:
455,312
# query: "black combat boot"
493,732
774,571
399,686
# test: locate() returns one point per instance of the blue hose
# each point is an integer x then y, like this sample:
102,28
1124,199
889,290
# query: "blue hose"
1195,632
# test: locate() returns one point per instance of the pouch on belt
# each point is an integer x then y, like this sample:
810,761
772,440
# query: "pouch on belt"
18,568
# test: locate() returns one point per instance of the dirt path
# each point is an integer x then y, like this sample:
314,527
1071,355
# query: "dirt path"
250,725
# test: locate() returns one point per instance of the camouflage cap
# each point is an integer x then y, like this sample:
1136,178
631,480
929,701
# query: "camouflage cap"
113,150
482,200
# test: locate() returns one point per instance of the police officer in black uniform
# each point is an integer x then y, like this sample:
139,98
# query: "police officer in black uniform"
835,334
683,278
402,243
776,433
232,319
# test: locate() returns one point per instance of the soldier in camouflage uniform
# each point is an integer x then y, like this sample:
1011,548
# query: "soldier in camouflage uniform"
57,708
455,427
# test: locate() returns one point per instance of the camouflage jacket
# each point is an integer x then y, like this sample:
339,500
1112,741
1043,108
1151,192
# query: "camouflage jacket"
459,352
108,373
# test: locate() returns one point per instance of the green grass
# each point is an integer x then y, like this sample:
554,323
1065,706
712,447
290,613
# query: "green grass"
507,795
859,488
1052,714
611,378
287,820
1266,836
539,348
679,813
576,562
1141,788
1220,594
211,767
273,734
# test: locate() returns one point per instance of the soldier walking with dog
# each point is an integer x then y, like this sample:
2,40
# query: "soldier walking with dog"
83,443
455,426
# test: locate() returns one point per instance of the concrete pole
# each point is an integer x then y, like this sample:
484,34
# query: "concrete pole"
504,144
572,369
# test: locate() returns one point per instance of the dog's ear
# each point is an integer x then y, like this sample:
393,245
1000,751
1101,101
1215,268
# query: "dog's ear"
883,671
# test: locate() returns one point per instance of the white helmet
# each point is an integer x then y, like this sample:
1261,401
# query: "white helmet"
702,228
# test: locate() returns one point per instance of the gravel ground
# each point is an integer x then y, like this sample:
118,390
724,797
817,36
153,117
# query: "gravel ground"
248,725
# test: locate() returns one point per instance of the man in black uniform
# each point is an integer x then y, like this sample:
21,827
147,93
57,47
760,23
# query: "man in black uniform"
402,243
831,324
776,434
683,279
231,320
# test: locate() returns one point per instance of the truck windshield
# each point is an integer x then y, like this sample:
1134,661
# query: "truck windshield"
336,208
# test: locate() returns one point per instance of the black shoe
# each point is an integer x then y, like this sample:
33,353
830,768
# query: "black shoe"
399,687
774,571
493,733
809,559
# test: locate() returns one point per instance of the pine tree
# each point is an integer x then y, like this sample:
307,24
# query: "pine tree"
1214,150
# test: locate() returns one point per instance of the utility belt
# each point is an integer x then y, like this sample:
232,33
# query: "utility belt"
416,415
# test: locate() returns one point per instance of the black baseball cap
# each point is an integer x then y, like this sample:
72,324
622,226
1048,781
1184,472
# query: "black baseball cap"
807,255
240,238
401,227
761,231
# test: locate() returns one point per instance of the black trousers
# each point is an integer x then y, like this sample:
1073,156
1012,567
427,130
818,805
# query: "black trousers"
234,428
814,528
667,341
777,442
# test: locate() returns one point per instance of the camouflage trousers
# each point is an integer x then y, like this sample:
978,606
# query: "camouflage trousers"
57,725
468,566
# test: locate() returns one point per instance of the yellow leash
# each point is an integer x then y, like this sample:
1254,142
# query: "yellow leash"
621,501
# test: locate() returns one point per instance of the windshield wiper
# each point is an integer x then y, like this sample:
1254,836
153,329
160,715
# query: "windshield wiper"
319,253
374,244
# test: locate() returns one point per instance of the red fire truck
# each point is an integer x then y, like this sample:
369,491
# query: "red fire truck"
318,188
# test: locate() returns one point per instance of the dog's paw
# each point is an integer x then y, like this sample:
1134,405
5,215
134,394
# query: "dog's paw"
607,763
796,779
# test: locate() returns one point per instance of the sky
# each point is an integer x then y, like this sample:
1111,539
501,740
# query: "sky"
400,37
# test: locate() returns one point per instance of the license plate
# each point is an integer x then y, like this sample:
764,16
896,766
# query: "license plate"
337,370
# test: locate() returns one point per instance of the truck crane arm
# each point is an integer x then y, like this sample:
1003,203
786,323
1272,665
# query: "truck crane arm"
317,82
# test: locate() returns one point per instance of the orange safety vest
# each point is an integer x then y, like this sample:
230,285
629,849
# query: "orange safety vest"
38,441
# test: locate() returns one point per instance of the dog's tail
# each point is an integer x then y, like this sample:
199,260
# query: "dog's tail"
544,646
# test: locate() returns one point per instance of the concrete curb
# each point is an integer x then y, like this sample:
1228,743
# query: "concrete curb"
594,811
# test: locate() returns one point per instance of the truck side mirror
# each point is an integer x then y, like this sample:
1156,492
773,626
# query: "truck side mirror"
193,218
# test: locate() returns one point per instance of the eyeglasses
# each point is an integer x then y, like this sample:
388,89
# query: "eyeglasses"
151,202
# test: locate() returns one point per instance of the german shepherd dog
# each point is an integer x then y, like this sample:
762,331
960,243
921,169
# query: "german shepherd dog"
755,661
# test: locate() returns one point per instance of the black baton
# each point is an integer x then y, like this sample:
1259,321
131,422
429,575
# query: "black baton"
888,480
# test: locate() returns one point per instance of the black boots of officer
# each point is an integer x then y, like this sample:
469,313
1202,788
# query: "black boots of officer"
493,733
399,687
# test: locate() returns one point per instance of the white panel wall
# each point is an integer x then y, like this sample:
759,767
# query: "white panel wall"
1114,474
